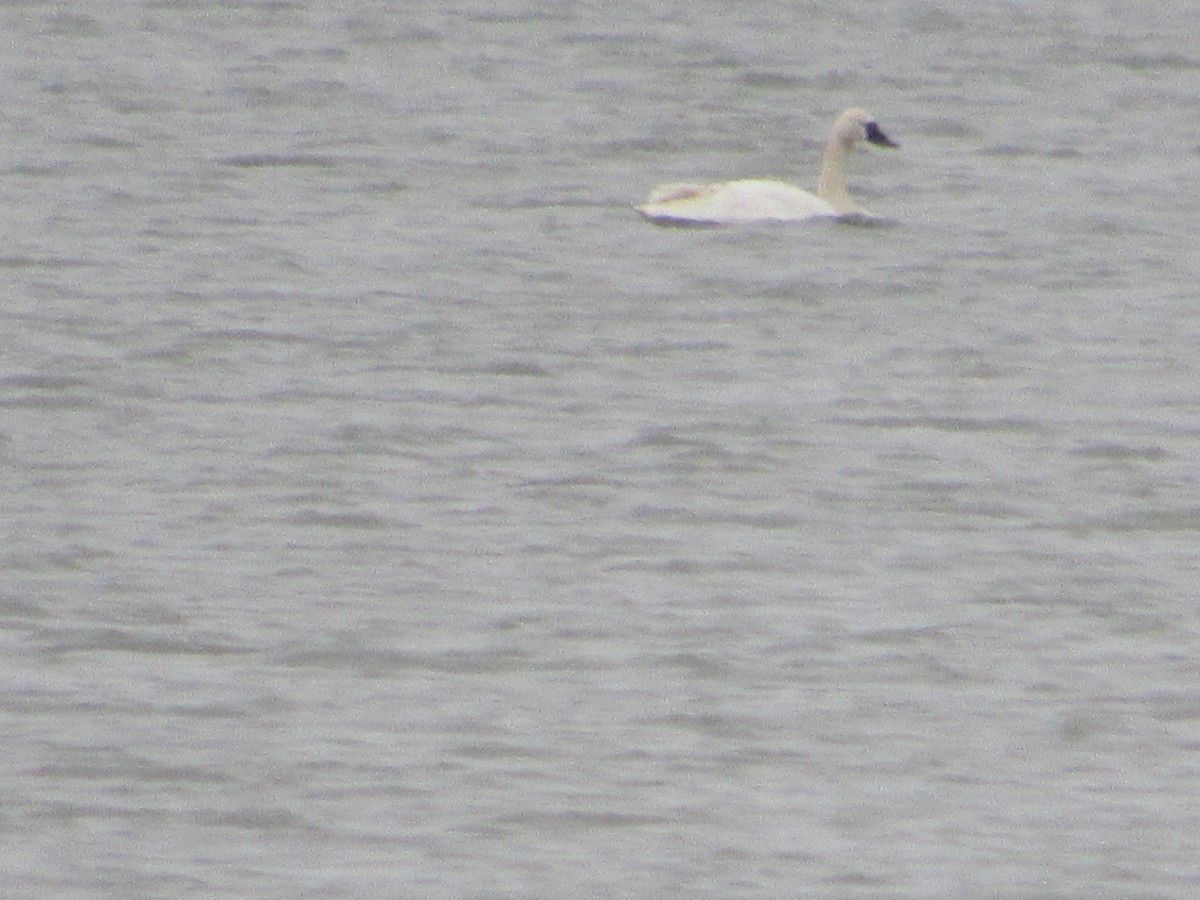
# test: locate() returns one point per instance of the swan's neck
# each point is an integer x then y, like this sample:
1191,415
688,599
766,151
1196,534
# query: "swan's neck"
832,187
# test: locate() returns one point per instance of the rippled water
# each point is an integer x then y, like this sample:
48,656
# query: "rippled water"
389,511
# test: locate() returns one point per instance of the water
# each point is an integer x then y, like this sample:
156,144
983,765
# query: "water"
388,511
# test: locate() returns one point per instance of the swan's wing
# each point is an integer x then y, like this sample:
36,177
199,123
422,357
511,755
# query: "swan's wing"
684,204
676,190
732,203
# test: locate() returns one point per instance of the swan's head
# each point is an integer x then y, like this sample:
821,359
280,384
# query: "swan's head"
856,125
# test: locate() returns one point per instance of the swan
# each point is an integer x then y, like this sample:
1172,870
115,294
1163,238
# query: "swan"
764,200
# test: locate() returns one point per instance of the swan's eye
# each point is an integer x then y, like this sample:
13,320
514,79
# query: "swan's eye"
876,136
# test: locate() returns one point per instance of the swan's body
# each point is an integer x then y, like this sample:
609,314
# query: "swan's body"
759,200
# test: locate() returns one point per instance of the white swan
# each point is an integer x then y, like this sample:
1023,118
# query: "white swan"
760,200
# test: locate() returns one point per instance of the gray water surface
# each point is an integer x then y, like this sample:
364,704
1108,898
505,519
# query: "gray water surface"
388,511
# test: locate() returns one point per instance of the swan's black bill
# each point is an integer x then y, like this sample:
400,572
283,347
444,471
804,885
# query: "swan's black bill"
876,136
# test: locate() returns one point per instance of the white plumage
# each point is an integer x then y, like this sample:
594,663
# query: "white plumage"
762,200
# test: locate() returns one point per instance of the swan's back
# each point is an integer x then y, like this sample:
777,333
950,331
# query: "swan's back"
733,202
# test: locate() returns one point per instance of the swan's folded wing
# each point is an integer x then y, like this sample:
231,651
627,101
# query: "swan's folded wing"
733,202
677,190
682,204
